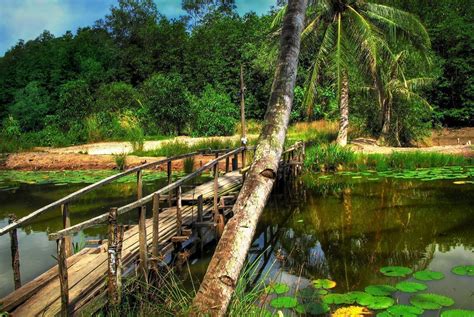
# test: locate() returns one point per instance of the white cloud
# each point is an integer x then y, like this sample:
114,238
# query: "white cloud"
27,19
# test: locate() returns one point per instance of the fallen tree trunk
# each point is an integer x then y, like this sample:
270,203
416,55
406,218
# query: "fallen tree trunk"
216,289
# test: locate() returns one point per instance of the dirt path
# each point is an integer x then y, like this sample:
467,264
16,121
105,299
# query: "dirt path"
109,148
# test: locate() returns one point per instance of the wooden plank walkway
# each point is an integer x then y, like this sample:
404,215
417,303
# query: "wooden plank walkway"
87,270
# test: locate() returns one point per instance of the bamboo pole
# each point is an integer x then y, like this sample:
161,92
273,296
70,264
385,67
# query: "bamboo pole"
67,224
114,274
223,272
63,277
15,254
156,223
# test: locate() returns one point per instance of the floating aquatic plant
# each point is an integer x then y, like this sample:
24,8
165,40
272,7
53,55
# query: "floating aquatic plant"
351,311
338,299
431,301
457,313
359,297
463,270
313,308
396,271
404,310
324,283
428,275
284,302
380,290
410,287
278,288
378,302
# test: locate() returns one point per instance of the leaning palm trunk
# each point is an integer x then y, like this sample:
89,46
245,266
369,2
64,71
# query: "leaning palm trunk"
216,289
344,110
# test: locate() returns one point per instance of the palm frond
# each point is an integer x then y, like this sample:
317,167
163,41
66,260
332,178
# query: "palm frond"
399,19
408,95
420,82
278,20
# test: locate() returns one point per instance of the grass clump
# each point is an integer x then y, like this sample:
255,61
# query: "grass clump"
188,165
120,161
330,157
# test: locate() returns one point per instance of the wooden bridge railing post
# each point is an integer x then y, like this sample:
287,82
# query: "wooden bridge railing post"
143,267
235,162
156,222
63,276
227,167
15,254
200,218
216,191
66,224
179,218
169,175
114,274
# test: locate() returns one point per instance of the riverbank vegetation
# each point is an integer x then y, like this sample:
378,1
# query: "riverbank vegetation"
332,157
136,74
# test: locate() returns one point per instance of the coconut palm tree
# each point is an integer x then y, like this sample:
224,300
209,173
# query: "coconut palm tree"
398,91
354,33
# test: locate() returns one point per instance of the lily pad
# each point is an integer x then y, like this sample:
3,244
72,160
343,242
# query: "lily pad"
380,290
396,271
283,302
311,293
278,288
324,283
380,302
404,311
359,296
457,313
313,308
463,270
431,301
427,275
411,287
338,299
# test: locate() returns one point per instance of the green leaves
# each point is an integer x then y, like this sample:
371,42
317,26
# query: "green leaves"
411,287
324,283
404,310
427,275
396,271
284,302
338,299
457,313
378,302
278,288
467,270
380,290
431,301
313,308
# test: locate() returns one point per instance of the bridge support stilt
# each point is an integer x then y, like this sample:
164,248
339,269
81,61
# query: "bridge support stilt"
15,254
115,239
63,277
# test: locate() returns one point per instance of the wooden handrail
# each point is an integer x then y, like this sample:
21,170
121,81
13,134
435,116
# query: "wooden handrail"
89,188
140,202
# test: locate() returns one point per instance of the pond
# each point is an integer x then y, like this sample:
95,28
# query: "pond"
347,227
342,227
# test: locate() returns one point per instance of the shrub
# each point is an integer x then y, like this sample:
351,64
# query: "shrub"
75,102
120,161
213,113
117,96
134,132
166,103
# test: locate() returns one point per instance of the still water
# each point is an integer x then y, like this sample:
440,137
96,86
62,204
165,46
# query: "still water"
347,229
344,229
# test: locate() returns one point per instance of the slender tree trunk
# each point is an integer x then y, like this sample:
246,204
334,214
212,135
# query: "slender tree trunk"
344,110
387,122
216,289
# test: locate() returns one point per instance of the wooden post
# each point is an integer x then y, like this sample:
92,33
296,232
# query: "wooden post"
227,167
169,174
139,184
216,189
179,218
15,254
242,115
142,241
63,277
66,224
156,223
115,238
200,209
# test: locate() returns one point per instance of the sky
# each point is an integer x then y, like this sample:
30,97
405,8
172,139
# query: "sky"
26,19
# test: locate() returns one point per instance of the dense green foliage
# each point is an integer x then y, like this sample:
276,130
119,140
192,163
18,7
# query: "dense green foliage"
137,73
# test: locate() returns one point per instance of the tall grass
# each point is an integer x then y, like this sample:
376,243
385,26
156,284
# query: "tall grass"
178,147
332,157
316,132
120,161
188,165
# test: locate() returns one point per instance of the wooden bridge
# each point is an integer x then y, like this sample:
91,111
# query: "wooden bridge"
84,282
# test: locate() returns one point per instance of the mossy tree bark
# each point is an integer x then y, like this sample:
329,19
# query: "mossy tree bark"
216,289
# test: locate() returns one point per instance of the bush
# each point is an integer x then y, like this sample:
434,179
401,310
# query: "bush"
166,103
75,102
133,131
120,161
116,97
213,113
